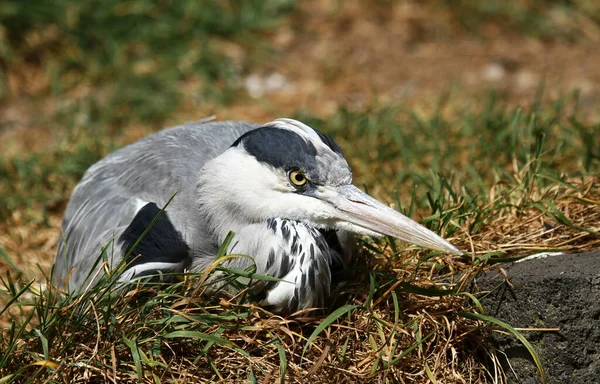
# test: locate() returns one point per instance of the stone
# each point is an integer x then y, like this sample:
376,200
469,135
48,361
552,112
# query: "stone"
551,290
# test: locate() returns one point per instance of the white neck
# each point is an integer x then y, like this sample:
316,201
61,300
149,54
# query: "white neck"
234,190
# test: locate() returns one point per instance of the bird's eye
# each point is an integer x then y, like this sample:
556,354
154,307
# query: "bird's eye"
297,178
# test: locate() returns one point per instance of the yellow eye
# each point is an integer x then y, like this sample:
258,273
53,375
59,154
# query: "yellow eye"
297,178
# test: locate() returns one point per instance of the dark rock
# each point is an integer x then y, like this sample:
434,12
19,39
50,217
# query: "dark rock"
559,291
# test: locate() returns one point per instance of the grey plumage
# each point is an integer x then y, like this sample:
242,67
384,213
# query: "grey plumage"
111,192
283,188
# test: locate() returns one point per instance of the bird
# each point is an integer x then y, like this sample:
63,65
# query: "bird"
168,202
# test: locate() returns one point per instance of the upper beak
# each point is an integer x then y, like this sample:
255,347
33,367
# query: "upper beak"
361,210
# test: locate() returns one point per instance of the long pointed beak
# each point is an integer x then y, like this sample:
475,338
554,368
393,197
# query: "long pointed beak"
363,211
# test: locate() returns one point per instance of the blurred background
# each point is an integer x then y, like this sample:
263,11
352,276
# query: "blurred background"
408,88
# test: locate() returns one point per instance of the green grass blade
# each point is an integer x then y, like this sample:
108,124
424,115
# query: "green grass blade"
44,342
250,275
430,374
283,364
517,334
225,246
426,291
333,316
16,296
9,262
474,300
7,379
199,336
408,350
135,354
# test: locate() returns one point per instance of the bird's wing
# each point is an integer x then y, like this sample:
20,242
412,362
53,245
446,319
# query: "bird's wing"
111,197
92,221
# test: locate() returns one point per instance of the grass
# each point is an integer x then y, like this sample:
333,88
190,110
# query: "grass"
131,59
546,19
500,182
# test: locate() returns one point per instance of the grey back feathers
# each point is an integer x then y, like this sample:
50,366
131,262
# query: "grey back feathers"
112,191
120,195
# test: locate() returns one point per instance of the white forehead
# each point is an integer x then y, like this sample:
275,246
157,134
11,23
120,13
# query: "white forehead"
297,127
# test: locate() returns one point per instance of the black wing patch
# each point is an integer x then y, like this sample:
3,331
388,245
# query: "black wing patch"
163,243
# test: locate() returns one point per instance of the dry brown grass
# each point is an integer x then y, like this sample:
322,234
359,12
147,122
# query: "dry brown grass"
391,315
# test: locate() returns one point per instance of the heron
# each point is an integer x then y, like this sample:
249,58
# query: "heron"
284,189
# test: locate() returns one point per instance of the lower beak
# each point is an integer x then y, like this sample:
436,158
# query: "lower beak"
361,210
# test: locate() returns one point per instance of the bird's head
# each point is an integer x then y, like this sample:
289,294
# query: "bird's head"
289,170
